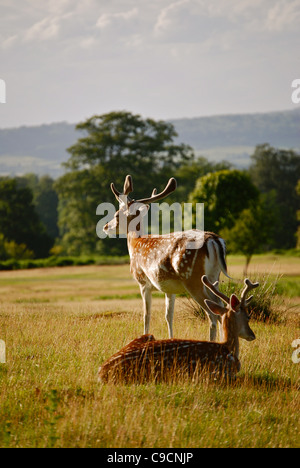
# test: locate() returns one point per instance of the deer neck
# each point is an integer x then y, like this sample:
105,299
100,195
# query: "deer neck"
132,236
230,335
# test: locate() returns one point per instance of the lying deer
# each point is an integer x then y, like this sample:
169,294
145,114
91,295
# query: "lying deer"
168,263
146,358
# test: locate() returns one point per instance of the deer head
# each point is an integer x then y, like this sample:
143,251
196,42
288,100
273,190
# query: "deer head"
128,217
235,309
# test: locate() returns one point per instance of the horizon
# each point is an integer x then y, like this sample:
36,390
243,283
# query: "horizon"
59,122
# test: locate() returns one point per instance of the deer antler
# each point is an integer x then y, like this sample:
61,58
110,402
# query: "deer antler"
116,193
247,288
170,187
213,289
128,187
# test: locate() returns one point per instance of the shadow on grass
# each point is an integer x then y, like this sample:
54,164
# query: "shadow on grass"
267,381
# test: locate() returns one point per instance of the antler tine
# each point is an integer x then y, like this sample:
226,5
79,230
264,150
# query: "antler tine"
128,185
213,289
247,288
170,187
116,193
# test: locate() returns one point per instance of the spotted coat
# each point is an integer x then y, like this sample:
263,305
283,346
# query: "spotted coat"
146,358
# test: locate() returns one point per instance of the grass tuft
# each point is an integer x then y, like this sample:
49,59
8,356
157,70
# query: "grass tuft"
266,306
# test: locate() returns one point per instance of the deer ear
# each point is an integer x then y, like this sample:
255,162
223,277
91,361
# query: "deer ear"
143,210
234,302
215,308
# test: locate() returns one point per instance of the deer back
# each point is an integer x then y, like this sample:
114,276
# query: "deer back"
146,358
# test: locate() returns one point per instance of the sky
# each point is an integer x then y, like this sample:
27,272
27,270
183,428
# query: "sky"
66,60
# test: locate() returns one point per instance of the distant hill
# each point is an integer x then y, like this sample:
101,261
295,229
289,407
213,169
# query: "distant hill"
42,149
39,149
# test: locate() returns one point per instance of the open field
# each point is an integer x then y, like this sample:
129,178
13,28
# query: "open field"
60,324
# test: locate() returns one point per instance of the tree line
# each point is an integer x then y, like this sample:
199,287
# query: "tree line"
255,210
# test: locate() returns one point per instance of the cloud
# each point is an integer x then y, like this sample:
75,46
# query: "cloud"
283,15
45,29
9,42
192,21
113,19
195,20
171,17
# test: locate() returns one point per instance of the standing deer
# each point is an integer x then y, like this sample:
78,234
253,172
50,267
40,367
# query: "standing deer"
167,262
145,358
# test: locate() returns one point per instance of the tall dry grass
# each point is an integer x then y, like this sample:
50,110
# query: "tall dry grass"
50,396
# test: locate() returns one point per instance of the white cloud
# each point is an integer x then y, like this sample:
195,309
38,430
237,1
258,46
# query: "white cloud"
158,56
112,19
193,20
88,42
45,29
171,17
283,15
9,42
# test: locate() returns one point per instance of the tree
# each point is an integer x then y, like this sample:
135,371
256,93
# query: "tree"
112,146
19,222
188,174
225,195
298,217
279,170
253,230
45,200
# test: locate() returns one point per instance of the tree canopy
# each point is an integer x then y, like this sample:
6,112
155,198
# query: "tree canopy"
278,170
45,200
298,216
19,222
253,229
225,195
112,146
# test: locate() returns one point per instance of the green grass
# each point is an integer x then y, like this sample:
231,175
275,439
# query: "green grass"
54,261
289,287
61,325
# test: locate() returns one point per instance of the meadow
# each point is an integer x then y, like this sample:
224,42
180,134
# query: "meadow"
59,325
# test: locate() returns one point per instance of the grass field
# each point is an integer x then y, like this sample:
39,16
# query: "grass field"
60,324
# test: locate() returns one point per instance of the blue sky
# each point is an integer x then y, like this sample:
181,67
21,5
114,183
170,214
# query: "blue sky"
65,60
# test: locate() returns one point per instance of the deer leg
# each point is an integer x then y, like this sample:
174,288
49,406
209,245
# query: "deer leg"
212,318
147,299
212,326
170,302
